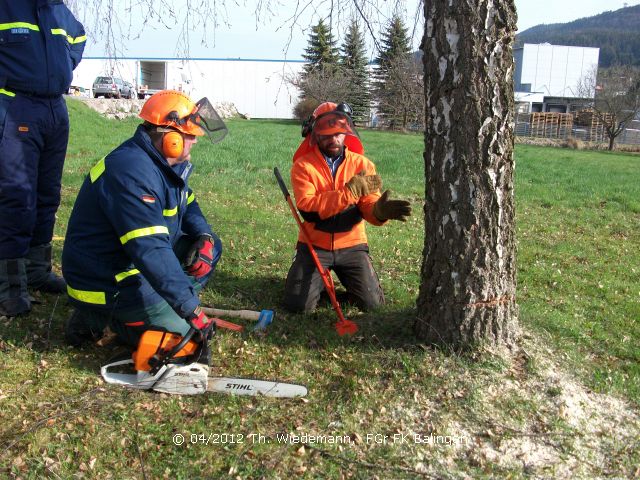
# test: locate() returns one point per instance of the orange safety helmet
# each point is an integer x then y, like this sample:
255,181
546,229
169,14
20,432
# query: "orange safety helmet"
328,119
324,107
170,108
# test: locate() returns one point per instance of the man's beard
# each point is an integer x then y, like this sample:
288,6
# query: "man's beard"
337,151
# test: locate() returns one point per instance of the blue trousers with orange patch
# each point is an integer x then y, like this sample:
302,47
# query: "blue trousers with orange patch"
34,133
129,324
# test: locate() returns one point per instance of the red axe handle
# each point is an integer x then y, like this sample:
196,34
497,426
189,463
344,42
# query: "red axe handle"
228,325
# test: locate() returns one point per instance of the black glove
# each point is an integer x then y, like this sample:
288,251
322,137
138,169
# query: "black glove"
386,209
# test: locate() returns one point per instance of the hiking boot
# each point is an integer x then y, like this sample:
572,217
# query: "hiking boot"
14,297
39,274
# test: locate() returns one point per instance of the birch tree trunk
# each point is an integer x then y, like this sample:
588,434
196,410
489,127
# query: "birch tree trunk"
467,293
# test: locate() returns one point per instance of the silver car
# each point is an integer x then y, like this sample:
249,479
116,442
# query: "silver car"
112,87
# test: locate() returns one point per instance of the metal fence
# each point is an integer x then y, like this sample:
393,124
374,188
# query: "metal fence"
565,125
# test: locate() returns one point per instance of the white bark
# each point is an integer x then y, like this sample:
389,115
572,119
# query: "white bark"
469,270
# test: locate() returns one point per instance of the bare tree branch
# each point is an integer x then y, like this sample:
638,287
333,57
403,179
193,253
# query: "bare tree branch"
616,94
117,22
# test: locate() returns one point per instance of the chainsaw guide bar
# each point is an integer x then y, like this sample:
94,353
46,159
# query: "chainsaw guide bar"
254,387
193,379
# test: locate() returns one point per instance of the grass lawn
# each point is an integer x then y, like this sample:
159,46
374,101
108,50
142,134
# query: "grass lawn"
564,403
579,259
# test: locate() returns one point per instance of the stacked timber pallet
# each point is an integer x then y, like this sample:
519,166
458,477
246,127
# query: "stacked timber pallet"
538,123
551,125
593,123
565,125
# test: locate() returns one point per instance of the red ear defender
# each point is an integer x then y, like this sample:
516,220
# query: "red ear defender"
172,144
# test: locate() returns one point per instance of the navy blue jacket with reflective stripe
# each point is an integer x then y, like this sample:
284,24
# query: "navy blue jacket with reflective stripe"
130,212
41,43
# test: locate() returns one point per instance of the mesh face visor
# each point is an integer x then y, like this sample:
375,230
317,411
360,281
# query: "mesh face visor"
206,117
334,122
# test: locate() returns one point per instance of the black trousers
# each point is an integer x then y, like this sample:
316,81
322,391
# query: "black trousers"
352,266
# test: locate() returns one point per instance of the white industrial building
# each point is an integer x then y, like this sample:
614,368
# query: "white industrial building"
257,88
547,76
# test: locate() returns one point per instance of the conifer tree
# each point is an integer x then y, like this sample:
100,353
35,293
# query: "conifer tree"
354,67
321,79
391,85
322,53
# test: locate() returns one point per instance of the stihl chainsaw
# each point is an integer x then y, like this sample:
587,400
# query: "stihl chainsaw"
168,363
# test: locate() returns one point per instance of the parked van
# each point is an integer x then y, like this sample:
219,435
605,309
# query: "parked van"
115,87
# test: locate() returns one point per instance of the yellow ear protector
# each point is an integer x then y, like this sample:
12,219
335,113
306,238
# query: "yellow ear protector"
172,144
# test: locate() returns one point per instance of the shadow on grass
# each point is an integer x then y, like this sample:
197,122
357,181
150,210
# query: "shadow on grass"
384,328
42,332
42,328
250,293
380,330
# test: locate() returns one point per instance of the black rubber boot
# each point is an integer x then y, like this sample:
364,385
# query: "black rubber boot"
83,327
39,274
14,297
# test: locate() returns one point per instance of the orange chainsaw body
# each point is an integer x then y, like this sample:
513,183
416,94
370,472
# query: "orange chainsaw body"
154,342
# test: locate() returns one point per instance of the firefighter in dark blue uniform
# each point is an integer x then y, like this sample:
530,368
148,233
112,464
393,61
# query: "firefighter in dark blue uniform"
40,45
138,248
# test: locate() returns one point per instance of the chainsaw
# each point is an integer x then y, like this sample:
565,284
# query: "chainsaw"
169,363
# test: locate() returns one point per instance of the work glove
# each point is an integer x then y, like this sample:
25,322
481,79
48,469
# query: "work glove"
200,257
198,320
385,209
363,184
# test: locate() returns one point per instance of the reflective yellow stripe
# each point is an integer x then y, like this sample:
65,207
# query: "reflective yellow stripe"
123,275
142,232
98,298
170,213
191,198
9,26
7,92
80,39
97,170
70,39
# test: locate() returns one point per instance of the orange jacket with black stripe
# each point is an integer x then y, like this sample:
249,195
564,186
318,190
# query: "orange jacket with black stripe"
333,216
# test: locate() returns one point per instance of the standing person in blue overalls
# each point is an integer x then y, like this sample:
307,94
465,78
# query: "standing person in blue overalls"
40,45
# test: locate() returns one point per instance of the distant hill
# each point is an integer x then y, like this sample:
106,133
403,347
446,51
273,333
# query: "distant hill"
616,33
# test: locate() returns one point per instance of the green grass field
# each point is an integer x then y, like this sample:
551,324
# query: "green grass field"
564,403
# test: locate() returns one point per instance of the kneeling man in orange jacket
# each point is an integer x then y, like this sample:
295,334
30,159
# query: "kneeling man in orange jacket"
336,187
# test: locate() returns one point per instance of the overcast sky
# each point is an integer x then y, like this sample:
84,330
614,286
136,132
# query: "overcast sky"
272,38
